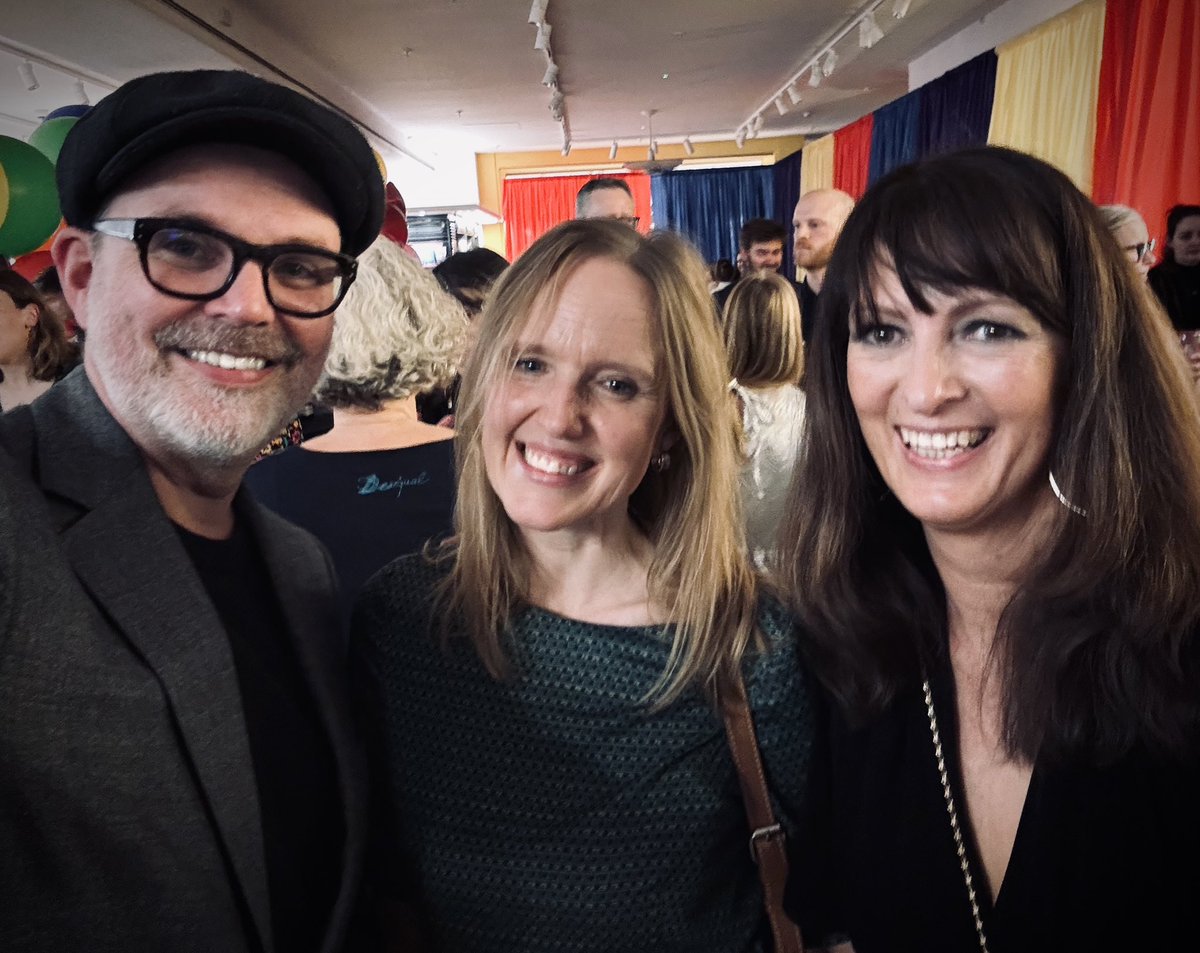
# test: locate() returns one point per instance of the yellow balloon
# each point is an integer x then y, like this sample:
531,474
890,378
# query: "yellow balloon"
382,165
3,195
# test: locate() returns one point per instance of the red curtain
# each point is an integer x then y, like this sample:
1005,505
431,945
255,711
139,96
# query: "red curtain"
852,156
1148,109
533,206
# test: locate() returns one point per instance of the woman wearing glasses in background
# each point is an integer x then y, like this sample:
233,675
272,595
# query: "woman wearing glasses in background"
994,552
1129,229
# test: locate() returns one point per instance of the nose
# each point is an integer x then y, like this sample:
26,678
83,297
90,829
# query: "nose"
932,379
562,409
245,301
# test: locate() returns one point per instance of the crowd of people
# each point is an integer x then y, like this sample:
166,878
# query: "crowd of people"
609,612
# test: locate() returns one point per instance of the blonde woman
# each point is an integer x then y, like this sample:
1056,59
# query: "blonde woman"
554,774
381,482
766,358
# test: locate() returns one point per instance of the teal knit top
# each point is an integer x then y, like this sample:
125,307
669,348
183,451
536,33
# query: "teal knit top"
553,811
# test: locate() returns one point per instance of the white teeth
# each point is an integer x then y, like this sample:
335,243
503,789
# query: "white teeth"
938,445
227,362
540,461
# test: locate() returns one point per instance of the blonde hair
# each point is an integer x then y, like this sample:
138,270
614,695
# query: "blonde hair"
396,334
1117,217
690,512
762,331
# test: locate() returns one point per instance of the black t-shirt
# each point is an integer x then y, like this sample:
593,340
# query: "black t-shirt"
302,816
1104,856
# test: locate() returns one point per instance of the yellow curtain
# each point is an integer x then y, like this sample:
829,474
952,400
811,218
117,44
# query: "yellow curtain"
1047,82
816,165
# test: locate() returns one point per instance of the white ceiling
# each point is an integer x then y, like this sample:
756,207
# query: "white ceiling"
443,79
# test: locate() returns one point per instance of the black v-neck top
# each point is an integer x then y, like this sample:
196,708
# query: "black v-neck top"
1105,858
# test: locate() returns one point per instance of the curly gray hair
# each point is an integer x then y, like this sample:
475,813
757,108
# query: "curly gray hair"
396,334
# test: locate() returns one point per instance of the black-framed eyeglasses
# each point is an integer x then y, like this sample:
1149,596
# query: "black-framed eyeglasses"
630,220
1141,250
190,260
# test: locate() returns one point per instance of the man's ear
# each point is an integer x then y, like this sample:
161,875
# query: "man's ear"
72,253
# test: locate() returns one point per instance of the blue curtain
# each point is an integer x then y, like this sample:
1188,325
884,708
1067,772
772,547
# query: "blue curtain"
956,109
787,194
894,136
710,206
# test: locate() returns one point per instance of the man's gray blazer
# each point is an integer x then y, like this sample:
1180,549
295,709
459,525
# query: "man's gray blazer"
129,815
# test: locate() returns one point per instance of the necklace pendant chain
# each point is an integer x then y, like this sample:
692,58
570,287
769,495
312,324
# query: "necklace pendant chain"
959,846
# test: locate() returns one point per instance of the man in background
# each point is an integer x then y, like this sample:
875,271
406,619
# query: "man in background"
606,198
817,222
760,247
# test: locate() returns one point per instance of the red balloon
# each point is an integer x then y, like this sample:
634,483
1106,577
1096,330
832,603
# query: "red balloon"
395,219
31,265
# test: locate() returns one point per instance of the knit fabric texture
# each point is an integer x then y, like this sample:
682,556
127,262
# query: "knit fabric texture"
553,810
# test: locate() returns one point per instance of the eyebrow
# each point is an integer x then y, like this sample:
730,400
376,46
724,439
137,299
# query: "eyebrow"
187,219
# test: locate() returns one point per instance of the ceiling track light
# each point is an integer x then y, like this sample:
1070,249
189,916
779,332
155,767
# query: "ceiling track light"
780,106
831,59
537,12
543,36
900,9
688,147
612,153
28,76
814,79
793,92
550,78
566,149
740,138
81,96
868,31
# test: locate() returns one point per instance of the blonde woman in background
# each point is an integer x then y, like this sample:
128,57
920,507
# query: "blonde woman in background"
551,770
381,482
1129,229
766,358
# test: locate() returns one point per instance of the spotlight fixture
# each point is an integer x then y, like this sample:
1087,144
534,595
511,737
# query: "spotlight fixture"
81,95
793,92
688,147
612,153
566,149
28,77
814,80
831,59
756,123
868,31
550,77
780,107
740,138
537,12
900,9
543,36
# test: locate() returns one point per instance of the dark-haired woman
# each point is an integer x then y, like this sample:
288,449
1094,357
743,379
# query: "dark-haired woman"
34,350
994,548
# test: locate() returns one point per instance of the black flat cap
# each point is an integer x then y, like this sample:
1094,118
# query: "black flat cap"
150,116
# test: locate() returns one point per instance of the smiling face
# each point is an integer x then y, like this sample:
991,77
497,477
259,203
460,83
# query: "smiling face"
957,407
765,255
1185,241
568,433
202,382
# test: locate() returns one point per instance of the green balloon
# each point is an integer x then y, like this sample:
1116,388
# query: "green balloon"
3,195
48,137
33,212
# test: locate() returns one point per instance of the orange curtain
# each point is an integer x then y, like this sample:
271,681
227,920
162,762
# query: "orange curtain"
1148,115
534,206
852,156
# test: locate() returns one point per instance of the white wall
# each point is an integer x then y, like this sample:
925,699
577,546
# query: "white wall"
1005,23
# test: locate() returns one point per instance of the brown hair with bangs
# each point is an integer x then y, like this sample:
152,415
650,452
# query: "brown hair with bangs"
690,513
51,355
1097,650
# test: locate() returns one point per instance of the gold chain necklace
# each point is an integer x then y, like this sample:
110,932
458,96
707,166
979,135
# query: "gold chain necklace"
955,829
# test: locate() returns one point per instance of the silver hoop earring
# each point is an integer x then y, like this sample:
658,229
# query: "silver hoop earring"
1062,499
660,461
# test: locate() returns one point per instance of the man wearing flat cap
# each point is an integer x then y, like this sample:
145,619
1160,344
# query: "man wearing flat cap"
178,769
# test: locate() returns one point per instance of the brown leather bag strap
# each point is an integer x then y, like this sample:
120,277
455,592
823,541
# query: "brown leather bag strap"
768,841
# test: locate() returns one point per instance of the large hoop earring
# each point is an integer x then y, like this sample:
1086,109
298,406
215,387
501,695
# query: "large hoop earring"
1062,499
